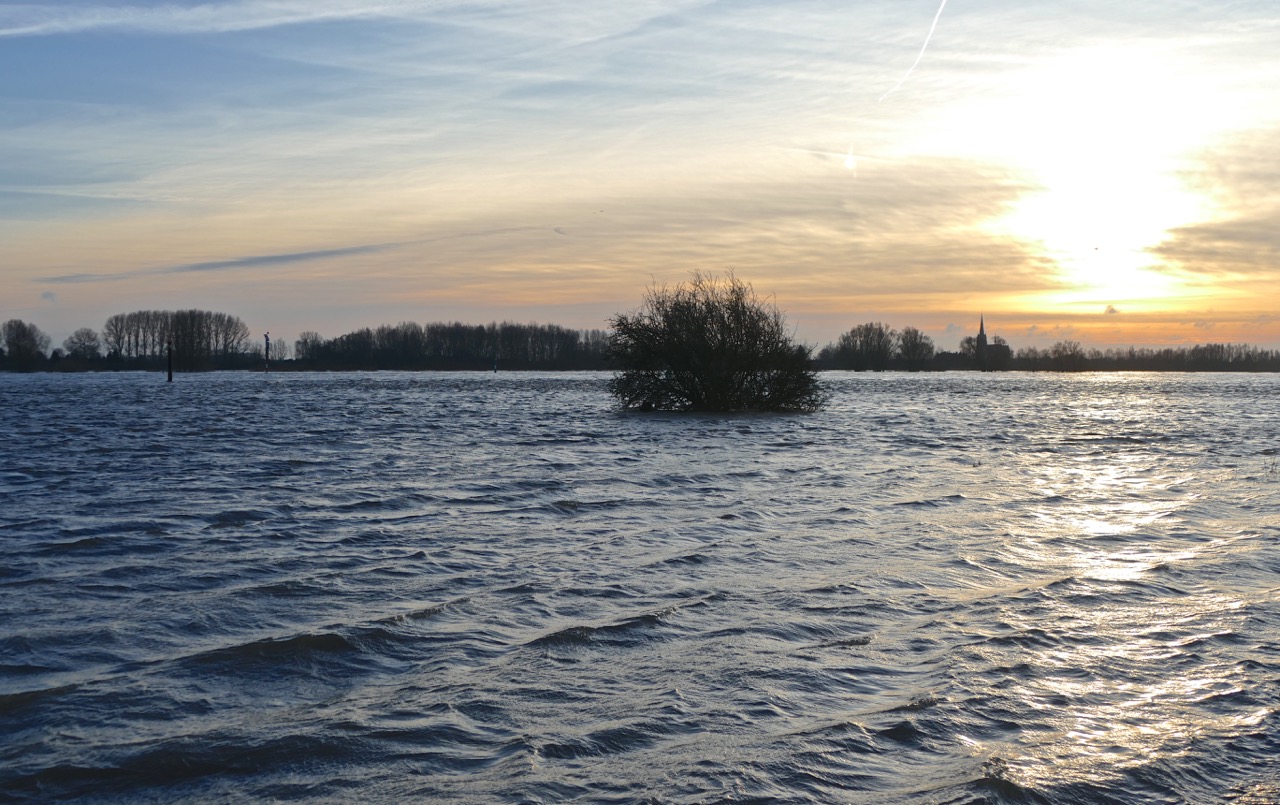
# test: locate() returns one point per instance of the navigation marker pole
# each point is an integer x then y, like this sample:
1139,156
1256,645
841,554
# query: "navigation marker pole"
169,350
266,365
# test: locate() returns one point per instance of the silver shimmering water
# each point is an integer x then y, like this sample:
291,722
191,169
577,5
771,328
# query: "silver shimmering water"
496,588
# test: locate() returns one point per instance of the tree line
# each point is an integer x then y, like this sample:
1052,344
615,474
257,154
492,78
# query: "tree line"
1071,356
204,340
198,339
455,345
875,346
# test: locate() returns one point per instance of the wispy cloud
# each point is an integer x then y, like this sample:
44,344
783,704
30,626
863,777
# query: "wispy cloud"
544,17
255,261
283,258
275,259
45,20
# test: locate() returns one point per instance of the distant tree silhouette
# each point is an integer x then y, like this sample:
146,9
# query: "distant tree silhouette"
25,345
454,345
280,350
867,346
201,339
308,347
1031,359
710,345
83,345
915,349
1068,356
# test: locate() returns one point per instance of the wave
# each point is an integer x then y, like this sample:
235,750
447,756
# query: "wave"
238,518
613,740
136,773
267,651
629,631
946,500
10,703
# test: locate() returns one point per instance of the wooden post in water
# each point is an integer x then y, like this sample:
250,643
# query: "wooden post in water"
266,364
169,350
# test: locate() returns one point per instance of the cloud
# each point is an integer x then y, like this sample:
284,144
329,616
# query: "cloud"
224,265
273,259
247,15
284,258
20,206
591,22
1243,242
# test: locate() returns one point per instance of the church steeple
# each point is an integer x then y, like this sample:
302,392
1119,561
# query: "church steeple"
980,343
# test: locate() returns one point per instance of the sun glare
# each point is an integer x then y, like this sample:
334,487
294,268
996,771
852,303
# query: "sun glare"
1104,133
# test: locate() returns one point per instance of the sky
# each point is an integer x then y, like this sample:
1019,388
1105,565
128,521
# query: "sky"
1095,171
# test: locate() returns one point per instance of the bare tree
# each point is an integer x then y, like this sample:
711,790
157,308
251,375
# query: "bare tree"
200,339
914,348
308,346
1068,356
710,345
115,335
280,350
25,346
83,345
867,346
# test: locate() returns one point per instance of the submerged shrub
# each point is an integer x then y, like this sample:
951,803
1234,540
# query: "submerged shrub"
710,345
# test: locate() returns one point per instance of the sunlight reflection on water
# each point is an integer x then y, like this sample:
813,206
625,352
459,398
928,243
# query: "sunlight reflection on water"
1110,716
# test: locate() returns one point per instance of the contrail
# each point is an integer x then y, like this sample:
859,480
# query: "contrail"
920,55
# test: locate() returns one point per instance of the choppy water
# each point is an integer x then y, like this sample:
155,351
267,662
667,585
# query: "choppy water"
496,588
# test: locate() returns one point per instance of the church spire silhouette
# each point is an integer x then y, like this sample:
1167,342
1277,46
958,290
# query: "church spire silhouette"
980,343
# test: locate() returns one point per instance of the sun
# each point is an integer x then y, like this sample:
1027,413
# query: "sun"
1104,134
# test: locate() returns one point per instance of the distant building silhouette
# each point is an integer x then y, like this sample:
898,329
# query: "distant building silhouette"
990,357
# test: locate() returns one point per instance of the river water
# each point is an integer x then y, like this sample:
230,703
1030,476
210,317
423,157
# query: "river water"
943,588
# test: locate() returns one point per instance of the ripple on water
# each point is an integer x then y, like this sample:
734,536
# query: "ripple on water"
476,587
